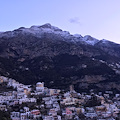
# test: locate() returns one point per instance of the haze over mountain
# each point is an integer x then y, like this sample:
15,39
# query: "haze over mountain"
46,53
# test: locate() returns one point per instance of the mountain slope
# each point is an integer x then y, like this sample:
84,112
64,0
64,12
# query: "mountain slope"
46,53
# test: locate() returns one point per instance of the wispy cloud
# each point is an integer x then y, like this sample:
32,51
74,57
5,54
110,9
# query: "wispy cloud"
75,20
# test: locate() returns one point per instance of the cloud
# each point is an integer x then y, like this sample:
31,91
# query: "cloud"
75,20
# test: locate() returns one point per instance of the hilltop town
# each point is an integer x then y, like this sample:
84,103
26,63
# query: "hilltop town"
37,102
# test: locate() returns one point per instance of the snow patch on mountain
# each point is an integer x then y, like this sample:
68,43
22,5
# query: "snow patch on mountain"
78,36
90,40
86,39
104,41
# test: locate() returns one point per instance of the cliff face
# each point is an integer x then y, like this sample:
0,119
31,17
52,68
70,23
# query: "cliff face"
46,53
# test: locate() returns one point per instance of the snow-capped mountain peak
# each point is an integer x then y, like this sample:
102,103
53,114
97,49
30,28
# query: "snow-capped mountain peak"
90,40
38,31
46,28
47,25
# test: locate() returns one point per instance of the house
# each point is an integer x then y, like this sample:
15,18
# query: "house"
46,98
3,108
5,99
26,109
35,114
3,79
27,91
15,101
69,101
54,98
23,116
46,91
91,115
106,95
69,114
40,87
23,100
48,118
48,103
100,108
80,110
56,105
90,109
21,95
58,117
106,114
52,112
15,115
54,91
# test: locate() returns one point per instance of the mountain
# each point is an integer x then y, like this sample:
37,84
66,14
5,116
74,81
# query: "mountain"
46,53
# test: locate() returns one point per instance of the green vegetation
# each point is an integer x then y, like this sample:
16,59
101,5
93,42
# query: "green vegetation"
4,115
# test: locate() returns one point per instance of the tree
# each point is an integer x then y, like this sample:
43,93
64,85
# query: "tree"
4,115
94,101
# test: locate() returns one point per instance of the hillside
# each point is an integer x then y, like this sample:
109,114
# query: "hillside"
46,53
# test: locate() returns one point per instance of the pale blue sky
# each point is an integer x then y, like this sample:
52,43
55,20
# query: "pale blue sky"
98,18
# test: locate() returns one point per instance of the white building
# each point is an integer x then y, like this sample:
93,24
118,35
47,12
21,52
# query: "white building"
40,86
15,115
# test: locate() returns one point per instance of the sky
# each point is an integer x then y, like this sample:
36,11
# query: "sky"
98,18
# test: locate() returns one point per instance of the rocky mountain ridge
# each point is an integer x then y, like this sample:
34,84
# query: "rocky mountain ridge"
46,53
39,31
